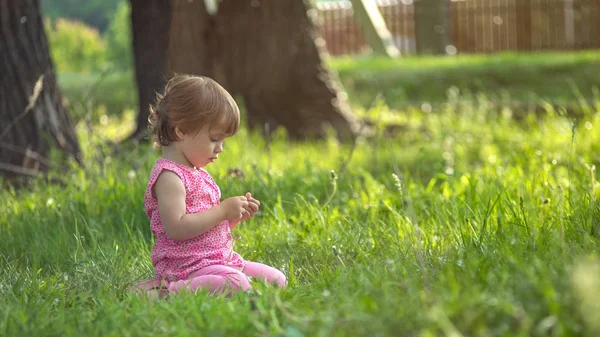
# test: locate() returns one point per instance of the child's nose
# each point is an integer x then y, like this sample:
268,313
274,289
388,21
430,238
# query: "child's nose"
219,147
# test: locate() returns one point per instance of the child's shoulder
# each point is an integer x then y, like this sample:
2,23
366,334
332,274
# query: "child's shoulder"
161,165
169,171
189,175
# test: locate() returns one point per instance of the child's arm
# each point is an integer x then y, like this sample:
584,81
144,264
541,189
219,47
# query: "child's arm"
179,226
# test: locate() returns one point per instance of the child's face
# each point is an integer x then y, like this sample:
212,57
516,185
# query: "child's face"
203,148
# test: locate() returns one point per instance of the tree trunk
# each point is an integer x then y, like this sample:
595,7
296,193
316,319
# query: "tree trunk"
267,52
189,25
432,26
32,117
150,23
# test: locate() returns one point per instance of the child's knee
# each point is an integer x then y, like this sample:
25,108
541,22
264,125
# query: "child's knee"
239,282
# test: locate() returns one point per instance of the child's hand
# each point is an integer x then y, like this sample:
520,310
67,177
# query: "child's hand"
234,207
252,207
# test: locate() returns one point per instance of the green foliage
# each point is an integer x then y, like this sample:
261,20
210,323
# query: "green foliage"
518,77
75,47
118,36
95,13
465,222
109,93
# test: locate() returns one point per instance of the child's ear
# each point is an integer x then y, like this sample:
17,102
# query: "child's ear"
178,133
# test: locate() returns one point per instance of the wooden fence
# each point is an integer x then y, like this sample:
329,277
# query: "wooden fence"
475,26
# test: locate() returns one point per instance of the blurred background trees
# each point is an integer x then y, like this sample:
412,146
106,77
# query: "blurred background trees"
94,13
268,53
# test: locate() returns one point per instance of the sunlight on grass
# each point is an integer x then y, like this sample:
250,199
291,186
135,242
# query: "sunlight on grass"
522,78
457,221
500,59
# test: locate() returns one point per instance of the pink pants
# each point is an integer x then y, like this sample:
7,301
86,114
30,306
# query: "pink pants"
218,279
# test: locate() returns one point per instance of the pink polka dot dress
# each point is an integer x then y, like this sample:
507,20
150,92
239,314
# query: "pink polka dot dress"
175,260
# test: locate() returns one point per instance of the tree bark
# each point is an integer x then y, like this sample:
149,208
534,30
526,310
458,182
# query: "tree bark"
150,24
32,117
267,52
190,27
432,26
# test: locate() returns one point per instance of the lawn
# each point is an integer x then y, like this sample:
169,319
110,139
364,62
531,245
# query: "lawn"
563,79
467,222
517,77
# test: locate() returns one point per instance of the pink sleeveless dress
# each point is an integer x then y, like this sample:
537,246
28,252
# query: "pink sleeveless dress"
175,260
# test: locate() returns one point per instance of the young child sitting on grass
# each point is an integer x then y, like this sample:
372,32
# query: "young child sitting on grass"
192,227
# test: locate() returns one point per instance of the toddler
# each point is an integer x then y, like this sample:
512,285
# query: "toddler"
192,227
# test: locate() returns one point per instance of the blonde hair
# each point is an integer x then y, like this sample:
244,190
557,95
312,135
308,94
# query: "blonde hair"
188,103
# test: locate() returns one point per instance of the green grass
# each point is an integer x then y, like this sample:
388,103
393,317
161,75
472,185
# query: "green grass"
524,78
411,81
490,227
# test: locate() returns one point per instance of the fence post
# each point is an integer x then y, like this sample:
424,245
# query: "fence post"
523,15
569,24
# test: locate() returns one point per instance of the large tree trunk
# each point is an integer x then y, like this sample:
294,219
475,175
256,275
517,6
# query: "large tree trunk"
150,23
32,117
189,34
267,52
432,26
